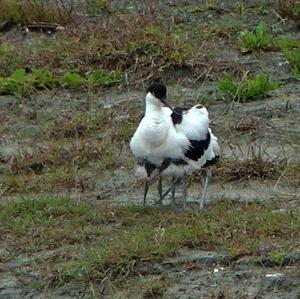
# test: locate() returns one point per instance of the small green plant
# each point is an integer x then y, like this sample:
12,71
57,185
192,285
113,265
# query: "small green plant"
72,80
17,84
291,50
98,78
277,257
257,40
247,89
43,78
287,43
293,57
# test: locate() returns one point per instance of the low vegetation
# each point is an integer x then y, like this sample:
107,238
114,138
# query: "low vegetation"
247,88
287,8
24,12
255,40
291,50
111,242
22,83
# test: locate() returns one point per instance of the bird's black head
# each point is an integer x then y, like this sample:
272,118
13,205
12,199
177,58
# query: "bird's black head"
158,90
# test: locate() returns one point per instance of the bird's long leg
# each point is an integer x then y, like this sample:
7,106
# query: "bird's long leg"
159,188
206,179
184,192
172,189
146,187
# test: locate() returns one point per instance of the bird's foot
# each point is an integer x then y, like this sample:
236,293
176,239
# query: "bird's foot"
158,203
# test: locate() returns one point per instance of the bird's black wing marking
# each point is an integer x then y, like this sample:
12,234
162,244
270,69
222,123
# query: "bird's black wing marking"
168,161
178,115
150,167
197,148
211,162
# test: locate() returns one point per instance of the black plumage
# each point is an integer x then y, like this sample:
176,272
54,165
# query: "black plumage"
197,148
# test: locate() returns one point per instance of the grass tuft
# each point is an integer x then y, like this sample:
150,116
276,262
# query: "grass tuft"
293,57
291,50
257,40
247,89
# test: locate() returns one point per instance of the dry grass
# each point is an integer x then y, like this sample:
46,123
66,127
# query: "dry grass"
285,8
30,11
250,168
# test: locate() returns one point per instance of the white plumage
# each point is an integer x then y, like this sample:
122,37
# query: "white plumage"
156,138
172,142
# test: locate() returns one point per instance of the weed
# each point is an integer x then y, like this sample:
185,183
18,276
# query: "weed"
100,78
247,89
293,57
257,40
287,44
44,79
72,80
17,84
21,83
291,50
277,257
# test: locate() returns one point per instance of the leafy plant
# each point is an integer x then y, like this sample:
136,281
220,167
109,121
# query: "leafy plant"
293,57
43,78
287,43
103,77
291,50
247,89
257,40
70,79
20,83
277,257
17,84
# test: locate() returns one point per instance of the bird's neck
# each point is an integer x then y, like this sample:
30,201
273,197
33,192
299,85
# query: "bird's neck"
153,110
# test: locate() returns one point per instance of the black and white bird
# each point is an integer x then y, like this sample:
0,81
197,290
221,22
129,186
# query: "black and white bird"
174,142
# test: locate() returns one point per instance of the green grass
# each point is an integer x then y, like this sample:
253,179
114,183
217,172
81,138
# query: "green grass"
293,57
277,257
21,83
287,43
291,50
112,241
247,89
255,40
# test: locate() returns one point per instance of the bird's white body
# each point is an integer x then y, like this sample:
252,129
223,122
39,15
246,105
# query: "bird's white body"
157,138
